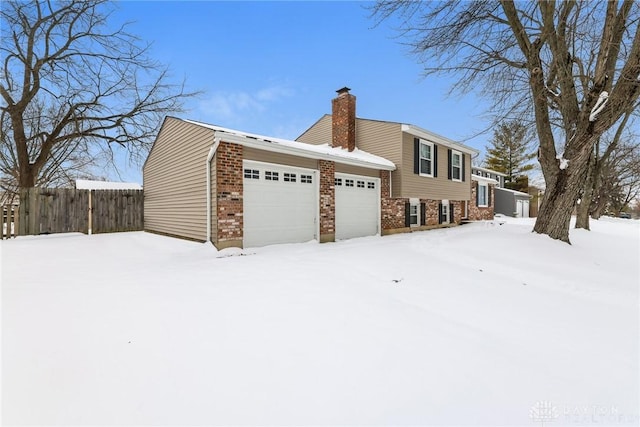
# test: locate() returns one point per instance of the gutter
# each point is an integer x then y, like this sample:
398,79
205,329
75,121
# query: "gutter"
212,153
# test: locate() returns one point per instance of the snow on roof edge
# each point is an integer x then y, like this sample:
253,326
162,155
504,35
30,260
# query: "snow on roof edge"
88,184
322,149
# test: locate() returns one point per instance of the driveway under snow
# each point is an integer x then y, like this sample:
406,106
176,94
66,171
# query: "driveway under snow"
480,324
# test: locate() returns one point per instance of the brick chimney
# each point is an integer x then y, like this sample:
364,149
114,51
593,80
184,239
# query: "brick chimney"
343,129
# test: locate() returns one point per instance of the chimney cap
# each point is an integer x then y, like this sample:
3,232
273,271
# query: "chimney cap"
343,90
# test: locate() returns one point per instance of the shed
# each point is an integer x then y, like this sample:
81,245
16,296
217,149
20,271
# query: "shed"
512,203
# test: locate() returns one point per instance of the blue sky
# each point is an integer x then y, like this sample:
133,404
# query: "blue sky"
273,67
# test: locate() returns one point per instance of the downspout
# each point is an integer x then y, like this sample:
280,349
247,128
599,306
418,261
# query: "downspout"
212,152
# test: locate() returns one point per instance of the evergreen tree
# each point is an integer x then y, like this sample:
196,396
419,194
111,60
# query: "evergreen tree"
509,154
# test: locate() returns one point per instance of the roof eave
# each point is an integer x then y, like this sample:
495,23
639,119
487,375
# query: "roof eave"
438,139
274,147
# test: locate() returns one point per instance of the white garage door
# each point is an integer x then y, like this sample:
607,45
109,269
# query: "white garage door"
357,206
280,204
522,208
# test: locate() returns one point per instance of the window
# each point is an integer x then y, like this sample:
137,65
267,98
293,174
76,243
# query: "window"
348,183
337,181
252,174
306,179
371,184
289,177
483,195
413,215
360,184
456,165
271,176
426,158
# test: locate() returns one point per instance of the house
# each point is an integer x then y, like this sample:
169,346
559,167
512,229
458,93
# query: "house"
343,178
506,201
232,188
430,185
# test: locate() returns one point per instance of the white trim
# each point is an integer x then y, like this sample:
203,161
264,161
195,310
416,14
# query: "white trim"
461,156
212,152
483,179
432,145
486,186
488,170
437,139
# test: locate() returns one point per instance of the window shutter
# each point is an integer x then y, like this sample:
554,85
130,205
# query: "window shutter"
464,171
477,194
416,155
451,216
423,214
449,165
435,161
439,213
407,214
488,195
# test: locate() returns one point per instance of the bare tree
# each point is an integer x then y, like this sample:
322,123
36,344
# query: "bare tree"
570,68
610,151
71,88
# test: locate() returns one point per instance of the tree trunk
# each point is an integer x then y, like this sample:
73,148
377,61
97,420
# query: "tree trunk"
554,216
582,212
560,197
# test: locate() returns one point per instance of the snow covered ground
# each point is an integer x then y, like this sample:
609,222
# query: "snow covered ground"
483,324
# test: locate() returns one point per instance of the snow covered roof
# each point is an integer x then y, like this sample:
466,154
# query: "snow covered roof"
483,179
356,157
438,139
517,193
87,184
488,170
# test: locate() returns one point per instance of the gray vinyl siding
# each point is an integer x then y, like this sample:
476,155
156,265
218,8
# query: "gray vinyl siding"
278,158
437,188
174,177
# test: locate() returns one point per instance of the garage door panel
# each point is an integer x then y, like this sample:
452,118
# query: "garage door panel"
357,206
279,211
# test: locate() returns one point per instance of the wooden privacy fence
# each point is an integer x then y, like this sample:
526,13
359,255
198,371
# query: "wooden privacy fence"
9,221
59,210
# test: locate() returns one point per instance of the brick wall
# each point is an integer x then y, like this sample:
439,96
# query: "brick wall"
327,201
392,213
229,193
480,213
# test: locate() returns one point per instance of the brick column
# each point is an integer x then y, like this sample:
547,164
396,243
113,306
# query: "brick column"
229,195
327,201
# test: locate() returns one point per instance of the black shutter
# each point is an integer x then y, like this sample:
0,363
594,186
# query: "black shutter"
464,169
451,218
423,214
435,161
439,213
407,214
416,155
477,194
489,195
449,163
